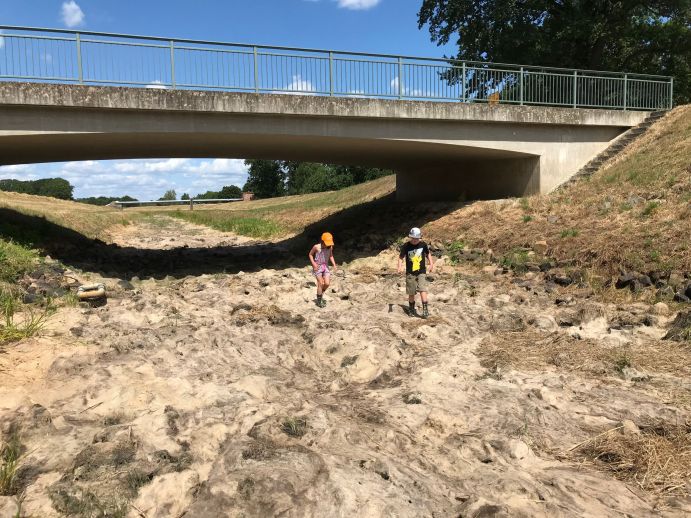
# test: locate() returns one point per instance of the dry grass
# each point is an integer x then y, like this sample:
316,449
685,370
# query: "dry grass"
658,459
635,213
90,220
279,216
531,350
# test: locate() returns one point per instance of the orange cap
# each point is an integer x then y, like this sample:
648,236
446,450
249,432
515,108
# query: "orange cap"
328,239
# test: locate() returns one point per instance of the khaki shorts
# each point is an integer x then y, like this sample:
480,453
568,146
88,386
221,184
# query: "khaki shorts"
415,283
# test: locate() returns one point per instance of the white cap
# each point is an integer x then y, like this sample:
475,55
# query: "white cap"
415,233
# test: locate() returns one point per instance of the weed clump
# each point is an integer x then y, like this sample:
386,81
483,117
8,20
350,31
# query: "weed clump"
9,462
657,457
294,426
348,360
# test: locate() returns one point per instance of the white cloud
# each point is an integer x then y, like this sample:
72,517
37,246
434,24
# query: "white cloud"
145,179
72,14
298,86
157,85
358,5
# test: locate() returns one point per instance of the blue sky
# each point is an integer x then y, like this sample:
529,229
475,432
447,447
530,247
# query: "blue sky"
378,26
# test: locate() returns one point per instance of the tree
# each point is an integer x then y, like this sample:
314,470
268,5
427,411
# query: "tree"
230,192
169,195
53,187
104,200
185,196
626,35
266,178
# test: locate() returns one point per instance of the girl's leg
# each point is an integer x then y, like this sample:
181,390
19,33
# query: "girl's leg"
320,289
326,282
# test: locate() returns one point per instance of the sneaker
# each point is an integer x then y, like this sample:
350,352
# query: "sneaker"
425,312
321,303
412,312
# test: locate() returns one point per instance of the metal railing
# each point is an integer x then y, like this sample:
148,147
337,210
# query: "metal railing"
63,56
191,202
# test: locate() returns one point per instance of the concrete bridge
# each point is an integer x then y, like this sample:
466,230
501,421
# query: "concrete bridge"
440,151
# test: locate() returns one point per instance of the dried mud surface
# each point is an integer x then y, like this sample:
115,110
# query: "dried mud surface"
234,395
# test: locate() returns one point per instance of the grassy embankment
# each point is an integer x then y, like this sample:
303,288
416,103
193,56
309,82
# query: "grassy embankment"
634,214
280,216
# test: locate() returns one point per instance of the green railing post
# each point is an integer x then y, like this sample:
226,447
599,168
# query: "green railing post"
463,96
172,64
256,72
331,74
521,87
625,91
400,78
79,58
575,88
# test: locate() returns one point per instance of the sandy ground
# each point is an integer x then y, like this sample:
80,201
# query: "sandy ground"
172,399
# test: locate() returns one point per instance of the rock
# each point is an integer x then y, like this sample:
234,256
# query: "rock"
540,247
562,280
532,267
660,309
681,297
666,293
543,323
126,285
631,374
634,200
568,319
680,330
489,269
645,281
552,218
676,280
688,291
499,301
508,322
629,427
77,331
625,281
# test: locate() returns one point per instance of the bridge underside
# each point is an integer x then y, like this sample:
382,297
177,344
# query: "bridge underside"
438,155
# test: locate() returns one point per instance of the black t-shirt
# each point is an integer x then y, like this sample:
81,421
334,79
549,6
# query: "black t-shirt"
415,257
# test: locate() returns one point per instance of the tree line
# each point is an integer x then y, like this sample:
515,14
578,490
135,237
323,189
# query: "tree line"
272,178
53,187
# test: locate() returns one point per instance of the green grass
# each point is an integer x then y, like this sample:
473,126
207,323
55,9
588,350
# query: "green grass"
621,362
294,426
33,320
569,232
15,260
9,462
228,221
650,208
527,218
516,259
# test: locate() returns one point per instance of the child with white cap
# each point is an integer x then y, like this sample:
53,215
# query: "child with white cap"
415,252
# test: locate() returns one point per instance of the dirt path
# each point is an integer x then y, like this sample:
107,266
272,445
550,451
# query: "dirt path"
165,233
234,395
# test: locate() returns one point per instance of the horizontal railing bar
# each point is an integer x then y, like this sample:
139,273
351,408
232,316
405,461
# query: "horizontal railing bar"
34,37
295,49
126,44
225,51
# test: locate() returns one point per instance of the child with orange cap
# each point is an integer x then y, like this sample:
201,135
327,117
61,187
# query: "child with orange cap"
319,256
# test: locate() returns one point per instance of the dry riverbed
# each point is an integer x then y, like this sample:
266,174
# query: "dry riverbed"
234,395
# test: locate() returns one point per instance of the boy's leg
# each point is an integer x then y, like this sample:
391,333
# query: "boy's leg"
422,286
411,288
